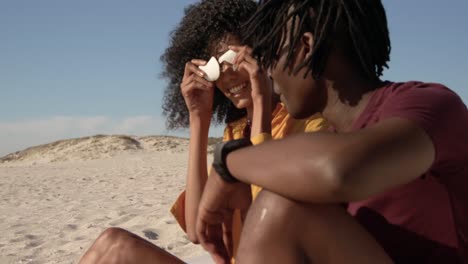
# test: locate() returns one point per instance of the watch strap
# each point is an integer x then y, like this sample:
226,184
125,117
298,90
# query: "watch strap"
220,154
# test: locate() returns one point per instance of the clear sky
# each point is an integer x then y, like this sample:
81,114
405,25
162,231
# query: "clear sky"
77,68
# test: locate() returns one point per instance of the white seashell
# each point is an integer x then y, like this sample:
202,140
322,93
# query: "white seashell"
211,69
228,56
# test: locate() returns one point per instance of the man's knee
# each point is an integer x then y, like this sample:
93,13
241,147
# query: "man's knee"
270,216
272,204
271,226
274,209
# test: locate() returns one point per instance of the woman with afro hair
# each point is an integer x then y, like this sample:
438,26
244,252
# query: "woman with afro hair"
242,98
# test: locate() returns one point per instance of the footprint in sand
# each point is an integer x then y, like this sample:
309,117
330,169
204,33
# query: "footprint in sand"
20,232
71,227
17,225
122,220
31,237
16,240
170,222
177,245
151,234
33,244
79,238
78,217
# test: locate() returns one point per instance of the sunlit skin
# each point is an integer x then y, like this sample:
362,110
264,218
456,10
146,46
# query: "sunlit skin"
234,83
323,169
242,82
298,217
119,246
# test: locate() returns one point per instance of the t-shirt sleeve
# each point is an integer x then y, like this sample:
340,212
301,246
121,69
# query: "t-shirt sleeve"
439,112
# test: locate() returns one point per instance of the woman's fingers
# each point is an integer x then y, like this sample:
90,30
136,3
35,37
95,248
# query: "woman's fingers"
195,83
195,75
244,54
201,80
239,57
191,67
193,87
198,62
253,70
235,48
240,48
247,67
248,58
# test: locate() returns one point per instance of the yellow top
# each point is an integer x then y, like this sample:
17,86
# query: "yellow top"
282,125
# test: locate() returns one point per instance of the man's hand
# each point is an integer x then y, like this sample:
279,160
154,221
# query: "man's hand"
215,214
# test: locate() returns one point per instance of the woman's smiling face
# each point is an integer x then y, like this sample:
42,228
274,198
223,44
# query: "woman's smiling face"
235,85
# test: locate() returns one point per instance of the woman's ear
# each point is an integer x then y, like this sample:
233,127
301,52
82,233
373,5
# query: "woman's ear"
307,41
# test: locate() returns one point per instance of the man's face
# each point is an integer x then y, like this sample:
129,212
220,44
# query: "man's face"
302,95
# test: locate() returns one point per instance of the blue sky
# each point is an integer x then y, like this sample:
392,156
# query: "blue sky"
77,68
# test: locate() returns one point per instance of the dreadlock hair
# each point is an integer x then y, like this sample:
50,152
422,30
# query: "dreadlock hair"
359,27
204,24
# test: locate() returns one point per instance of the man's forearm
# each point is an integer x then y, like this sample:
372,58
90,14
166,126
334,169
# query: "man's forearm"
300,167
338,167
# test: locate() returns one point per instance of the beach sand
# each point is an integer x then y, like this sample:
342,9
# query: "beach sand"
56,199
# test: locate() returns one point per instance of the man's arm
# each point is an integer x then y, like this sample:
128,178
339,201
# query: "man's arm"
328,167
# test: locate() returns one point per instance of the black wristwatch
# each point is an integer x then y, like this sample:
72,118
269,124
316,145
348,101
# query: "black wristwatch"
220,153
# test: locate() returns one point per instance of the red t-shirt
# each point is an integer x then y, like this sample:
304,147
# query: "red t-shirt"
425,221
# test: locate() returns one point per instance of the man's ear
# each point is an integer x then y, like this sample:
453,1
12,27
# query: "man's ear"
307,41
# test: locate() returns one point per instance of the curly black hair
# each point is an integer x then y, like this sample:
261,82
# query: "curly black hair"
204,24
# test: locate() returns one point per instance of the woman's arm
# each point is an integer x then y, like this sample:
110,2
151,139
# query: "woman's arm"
197,172
261,90
261,118
198,96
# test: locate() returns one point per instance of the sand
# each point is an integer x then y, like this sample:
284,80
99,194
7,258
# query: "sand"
57,198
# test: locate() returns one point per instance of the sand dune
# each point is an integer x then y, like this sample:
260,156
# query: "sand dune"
98,147
56,198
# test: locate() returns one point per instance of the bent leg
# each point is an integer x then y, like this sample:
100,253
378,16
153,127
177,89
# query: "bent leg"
118,246
278,230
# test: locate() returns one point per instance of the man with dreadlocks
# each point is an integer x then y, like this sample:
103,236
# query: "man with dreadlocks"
389,182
